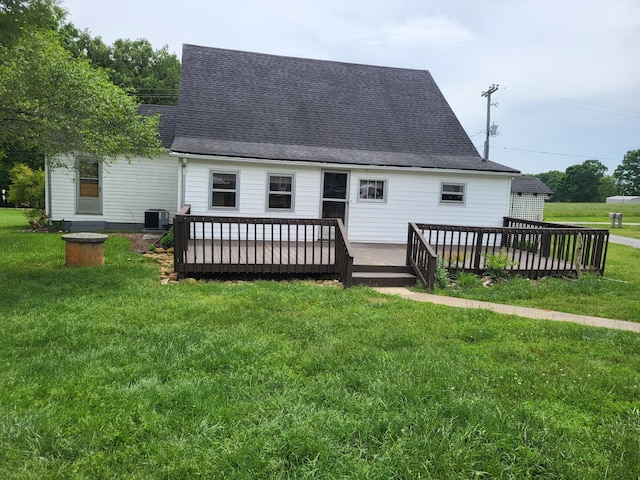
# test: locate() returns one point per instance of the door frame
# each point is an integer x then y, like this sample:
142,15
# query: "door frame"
88,205
346,195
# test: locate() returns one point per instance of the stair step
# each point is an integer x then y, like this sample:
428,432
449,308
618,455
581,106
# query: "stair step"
382,268
384,279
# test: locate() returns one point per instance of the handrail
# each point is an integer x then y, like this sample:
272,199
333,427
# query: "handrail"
533,251
208,245
344,255
184,210
421,257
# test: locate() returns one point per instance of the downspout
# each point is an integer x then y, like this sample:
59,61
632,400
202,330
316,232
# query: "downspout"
183,181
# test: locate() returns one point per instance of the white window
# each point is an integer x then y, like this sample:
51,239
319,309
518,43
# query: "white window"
224,189
373,190
280,191
452,193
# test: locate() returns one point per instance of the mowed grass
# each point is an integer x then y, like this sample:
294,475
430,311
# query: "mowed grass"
616,295
104,373
596,212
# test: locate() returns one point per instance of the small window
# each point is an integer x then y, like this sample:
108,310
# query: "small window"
373,190
224,189
452,193
280,192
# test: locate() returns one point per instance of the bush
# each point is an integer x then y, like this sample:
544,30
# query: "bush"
495,265
442,275
467,280
167,239
27,190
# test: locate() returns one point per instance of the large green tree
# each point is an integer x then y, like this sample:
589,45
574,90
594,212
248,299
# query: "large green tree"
57,104
16,16
627,175
552,179
583,183
151,75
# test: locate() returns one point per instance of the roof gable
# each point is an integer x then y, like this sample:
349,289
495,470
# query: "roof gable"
265,106
529,185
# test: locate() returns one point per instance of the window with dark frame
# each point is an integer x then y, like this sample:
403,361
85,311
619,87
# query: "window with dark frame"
224,189
280,192
373,190
452,193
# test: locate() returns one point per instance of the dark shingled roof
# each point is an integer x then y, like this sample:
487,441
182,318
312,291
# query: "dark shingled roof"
262,106
529,185
168,115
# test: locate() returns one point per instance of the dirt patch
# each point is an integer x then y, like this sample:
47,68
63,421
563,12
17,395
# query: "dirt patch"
139,241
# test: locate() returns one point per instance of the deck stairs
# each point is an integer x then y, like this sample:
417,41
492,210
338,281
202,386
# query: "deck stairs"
383,276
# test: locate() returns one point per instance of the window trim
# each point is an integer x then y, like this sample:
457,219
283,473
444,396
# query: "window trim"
84,206
236,190
463,194
268,191
385,190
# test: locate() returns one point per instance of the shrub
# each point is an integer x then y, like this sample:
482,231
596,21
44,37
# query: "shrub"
27,190
495,265
167,239
467,280
442,275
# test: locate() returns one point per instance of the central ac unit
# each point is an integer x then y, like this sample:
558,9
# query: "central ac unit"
156,219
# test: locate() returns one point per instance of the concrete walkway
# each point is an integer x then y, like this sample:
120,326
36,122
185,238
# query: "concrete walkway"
631,242
511,310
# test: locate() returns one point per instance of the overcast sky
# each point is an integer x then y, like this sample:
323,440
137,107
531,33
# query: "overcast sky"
568,70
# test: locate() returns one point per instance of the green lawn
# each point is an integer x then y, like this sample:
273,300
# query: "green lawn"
105,373
596,212
614,296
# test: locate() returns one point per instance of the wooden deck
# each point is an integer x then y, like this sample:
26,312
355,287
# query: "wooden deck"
264,257
284,258
212,246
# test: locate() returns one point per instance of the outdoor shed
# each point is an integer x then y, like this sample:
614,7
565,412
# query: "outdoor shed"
528,195
624,199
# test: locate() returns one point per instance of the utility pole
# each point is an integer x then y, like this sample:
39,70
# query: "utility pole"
490,90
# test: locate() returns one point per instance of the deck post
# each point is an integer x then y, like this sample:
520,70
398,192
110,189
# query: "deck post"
478,252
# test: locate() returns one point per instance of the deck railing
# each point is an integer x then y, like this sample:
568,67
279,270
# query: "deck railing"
530,249
421,257
207,245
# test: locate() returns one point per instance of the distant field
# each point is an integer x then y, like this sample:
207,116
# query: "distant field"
590,212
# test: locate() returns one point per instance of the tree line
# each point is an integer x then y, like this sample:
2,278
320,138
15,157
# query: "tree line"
64,91
589,183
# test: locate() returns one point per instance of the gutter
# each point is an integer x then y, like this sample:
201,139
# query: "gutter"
338,166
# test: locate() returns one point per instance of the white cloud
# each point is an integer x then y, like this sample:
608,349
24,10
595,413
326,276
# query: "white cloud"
436,31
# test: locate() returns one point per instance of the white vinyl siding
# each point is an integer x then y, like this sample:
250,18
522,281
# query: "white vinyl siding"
252,200
412,196
129,188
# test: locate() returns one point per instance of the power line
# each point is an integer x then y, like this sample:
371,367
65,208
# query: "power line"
558,154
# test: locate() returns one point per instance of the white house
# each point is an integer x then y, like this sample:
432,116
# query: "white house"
89,196
258,135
